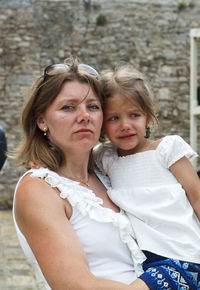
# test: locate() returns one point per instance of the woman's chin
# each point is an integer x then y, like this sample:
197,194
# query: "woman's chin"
86,144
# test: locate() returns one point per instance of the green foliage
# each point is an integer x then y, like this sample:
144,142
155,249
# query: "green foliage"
101,20
182,5
191,4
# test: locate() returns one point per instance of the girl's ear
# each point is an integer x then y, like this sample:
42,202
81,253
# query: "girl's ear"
41,123
102,135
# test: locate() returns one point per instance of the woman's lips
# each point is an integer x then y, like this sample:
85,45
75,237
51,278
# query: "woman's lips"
84,131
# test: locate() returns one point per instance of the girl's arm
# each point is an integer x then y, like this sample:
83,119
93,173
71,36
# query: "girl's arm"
42,217
187,176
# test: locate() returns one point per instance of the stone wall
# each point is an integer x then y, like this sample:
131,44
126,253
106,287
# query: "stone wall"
152,35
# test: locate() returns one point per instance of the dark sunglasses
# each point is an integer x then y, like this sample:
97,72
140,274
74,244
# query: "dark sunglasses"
58,68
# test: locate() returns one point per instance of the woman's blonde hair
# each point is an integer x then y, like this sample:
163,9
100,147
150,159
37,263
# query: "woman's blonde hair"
36,148
129,83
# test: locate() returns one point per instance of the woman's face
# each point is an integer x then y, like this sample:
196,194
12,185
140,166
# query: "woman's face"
74,118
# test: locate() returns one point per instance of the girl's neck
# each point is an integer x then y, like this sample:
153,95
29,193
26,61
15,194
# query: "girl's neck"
145,145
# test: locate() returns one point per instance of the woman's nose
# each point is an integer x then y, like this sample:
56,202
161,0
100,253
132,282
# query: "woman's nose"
83,116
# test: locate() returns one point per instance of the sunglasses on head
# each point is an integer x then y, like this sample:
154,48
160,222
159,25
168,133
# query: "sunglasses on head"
58,68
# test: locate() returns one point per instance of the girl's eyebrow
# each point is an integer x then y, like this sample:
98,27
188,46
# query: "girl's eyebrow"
129,111
135,109
110,113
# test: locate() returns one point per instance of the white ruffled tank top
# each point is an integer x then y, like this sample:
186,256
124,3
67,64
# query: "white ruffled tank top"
106,236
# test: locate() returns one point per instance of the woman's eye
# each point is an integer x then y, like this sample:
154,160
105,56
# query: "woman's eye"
67,107
94,107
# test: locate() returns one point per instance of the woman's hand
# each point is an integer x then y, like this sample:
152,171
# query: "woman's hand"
34,165
139,285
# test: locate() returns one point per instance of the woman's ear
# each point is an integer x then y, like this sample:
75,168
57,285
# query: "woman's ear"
147,122
42,123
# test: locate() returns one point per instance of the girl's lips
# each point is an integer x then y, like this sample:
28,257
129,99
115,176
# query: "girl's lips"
127,136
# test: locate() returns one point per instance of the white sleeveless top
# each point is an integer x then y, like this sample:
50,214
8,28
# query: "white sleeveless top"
163,219
106,236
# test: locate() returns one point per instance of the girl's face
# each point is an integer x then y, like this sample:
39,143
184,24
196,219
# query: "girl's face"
74,118
125,124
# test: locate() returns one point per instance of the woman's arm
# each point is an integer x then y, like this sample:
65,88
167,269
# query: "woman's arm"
42,217
187,176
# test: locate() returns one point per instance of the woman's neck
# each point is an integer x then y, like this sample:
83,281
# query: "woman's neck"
76,167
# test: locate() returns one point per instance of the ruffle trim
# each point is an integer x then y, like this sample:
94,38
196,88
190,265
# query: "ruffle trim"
88,204
172,148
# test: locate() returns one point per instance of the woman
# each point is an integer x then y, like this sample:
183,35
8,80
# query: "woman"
65,221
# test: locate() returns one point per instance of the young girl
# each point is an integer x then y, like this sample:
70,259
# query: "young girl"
153,181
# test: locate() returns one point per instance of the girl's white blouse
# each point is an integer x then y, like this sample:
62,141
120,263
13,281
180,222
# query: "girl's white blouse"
106,236
142,184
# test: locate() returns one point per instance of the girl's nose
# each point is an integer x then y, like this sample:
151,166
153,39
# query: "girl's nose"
124,126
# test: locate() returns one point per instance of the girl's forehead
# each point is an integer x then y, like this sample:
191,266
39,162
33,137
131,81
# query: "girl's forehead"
118,103
123,100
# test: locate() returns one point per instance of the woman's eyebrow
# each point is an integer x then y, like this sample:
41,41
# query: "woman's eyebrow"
92,99
74,100
71,100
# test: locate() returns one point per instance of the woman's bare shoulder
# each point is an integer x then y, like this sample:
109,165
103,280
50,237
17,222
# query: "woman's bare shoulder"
33,188
34,194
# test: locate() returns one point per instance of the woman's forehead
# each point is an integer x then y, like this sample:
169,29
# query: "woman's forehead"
77,90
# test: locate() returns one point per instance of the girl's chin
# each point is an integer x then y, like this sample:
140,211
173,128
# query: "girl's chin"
126,151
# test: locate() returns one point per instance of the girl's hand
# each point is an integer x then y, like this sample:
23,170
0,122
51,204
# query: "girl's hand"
187,176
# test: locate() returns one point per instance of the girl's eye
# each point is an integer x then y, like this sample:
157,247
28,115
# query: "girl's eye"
135,115
113,118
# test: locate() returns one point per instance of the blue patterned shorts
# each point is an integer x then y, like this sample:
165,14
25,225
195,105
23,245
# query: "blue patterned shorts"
169,274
